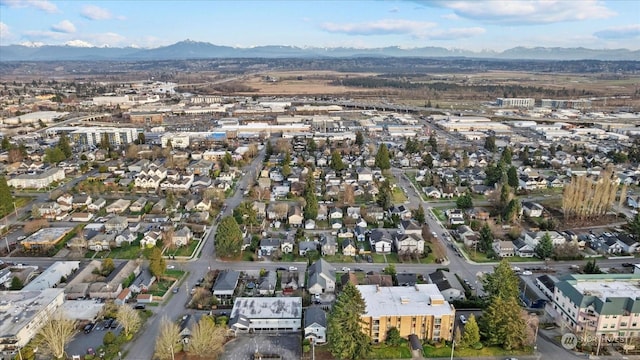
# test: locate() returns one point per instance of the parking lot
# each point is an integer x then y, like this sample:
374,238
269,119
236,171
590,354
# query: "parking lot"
245,345
83,341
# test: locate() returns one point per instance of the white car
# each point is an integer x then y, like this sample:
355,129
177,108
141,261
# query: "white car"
527,273
293,268
463,319
346,269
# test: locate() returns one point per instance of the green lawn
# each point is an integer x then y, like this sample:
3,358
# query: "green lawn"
482,258
339,258
174,273
445,351
383,351
439,214
183,250
398,196
132,251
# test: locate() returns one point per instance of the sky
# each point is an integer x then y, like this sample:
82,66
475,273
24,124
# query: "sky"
455,24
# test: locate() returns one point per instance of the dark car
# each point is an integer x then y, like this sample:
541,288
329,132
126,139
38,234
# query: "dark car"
140,307
281,268
114,324
627,265
369,259
88,328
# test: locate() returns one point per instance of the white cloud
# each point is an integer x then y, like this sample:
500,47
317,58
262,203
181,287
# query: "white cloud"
527,12
619,32
454,33
43,5
64,26
107,39
451,16
381,27
4,31
93,12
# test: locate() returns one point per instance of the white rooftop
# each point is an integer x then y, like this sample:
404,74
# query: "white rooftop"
18,308
605,289
82,309
268,307
404,300
47,235
50,277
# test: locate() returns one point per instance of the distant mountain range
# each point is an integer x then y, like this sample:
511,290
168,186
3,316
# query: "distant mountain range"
189,49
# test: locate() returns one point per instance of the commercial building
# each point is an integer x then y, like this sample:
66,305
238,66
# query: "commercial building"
37,181
566,104
266,314
598,305
516,102
419,310
22,314
146,118
45,238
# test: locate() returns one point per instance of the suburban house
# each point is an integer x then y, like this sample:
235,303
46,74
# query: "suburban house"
348,247
522,248
532,209
456,216
504,248
322,277
138,205
268,246
306,246
287,244
225,284
97,205
315,324
381,241
116,224
267,283
295,216
182,236
534,237
150,239
328,245
118,207
441,279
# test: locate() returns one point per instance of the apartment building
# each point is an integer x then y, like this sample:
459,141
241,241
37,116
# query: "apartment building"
601,305
420,310
24,312
92,136
37,181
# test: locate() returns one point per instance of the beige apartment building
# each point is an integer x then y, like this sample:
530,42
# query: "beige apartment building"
420,310
599,305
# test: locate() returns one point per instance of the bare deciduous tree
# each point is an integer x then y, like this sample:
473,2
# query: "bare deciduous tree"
129,319
55,334
35,225
168,341
207,338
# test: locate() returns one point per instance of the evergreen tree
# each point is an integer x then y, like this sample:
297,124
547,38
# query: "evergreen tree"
336,161
505,196
506,156
65,147
485,243
634,226
311,206
382,157
501,324
6,198
464,201
228,237
427,160
433,142
544,249
393,337
157,263
105,144
384,195
141,138
471,334
512,177
311,145
419,215
345,336
591,267
53,155
268,151
512,213
16,283
490,143
502,282
359,138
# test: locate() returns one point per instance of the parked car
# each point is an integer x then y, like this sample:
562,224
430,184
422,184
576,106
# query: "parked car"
463,319
88,328
140,307
527,273
346,269
293,268
281,268
627,265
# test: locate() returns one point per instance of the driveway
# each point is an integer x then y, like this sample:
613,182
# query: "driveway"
245,345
